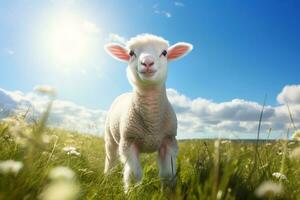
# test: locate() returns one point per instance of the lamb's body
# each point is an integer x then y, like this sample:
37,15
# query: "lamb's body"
143,121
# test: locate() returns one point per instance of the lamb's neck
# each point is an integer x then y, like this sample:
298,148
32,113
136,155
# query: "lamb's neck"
151,103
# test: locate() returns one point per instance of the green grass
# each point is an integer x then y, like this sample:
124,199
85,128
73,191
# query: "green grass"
205,171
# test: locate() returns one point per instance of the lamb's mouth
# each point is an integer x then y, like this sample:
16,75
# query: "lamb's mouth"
147,73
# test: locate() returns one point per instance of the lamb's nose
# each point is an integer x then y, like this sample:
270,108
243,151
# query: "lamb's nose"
147,62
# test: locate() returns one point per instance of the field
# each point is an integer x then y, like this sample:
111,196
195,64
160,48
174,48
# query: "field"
207,169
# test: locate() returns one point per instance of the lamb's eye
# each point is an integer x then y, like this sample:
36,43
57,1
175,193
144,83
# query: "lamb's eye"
131,53
164,53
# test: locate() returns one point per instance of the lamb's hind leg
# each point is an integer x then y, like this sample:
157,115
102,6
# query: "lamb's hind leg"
111,152
130,157
167,157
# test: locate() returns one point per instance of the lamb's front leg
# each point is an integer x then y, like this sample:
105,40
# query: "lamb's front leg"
130,157
167,157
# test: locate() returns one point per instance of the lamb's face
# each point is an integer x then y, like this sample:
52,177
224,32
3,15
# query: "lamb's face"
147,57
148,63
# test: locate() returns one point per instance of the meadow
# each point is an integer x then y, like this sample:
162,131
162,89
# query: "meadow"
48,163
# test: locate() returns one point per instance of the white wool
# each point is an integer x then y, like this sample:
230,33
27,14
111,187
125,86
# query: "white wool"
143,121
144,39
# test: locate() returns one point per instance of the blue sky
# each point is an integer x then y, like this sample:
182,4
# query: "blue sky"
242,49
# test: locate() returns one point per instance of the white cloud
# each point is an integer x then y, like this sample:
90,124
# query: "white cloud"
167,14
163,12
158,11
178,4
117,38
236,116
289,95
71,116
64,114
196,117
12,101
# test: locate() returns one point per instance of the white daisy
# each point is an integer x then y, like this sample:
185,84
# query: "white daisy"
10,166
61,173
268,188
71,151
60,190
68,149
279,176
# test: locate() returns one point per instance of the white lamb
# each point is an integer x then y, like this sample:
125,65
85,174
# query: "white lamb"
143,121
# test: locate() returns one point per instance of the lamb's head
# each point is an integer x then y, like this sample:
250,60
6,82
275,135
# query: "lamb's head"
147,57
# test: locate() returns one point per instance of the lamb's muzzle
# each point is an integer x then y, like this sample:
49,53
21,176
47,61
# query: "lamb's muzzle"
147,61
144,121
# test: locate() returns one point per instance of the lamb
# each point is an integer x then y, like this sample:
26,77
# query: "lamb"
143,121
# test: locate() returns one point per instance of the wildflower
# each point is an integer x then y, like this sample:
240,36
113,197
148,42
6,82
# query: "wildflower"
268,188
10,166
71,151
61,173
60,190
296,135
219,194
45,90
225,141
68,149
76,153
47,138
295,154
279,176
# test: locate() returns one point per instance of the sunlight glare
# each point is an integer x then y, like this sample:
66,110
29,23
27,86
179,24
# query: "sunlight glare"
68,40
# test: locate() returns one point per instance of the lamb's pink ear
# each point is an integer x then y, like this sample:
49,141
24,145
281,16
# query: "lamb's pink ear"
179,50
117,51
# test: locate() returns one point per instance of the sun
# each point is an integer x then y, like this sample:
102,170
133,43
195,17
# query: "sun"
68,40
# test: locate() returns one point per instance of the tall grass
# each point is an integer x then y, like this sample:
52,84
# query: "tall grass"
207,169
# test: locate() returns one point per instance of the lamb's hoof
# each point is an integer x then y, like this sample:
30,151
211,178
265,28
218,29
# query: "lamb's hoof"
168,184
131,187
